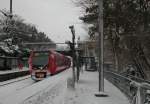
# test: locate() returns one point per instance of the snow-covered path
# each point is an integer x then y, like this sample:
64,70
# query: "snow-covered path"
86,89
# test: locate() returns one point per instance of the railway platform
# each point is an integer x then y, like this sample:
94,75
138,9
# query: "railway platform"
87,87
14,73
14,70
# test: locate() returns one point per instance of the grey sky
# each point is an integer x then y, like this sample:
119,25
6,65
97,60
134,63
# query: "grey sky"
50,16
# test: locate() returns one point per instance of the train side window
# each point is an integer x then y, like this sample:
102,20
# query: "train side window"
58,60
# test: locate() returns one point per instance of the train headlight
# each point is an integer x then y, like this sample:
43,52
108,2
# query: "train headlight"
34,68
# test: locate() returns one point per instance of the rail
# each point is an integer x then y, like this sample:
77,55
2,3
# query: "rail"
136,89
138,79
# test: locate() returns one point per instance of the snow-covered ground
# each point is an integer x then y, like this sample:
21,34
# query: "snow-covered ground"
54,90
86,89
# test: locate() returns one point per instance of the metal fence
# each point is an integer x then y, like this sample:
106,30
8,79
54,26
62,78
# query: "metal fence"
137,90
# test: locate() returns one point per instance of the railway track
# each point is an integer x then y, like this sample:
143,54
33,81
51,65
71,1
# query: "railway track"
14,80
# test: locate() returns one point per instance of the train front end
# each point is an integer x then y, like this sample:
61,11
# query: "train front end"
39,74
39,65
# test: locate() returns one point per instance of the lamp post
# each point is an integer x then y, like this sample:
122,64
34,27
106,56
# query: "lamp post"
101,52
73,52
10,6
11,14
8,15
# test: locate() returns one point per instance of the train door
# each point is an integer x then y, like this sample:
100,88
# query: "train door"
52,63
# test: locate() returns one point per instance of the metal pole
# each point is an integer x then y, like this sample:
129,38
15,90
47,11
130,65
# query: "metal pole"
85,55
101,52
138,99
101,47
11,7
73,41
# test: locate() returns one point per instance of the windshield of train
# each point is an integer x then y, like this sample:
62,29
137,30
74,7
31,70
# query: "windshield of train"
40,58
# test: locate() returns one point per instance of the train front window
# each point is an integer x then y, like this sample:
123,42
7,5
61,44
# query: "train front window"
40,59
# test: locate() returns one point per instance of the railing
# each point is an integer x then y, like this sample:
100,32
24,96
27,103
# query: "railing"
137,90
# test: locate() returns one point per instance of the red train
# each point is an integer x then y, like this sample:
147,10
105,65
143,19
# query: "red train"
45,63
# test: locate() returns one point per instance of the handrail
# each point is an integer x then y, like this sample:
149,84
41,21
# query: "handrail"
135,90
140,79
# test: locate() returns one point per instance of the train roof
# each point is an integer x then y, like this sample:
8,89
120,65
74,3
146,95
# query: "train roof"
66,53
47,51
40,51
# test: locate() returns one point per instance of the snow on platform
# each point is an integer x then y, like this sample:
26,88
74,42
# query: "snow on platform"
86,89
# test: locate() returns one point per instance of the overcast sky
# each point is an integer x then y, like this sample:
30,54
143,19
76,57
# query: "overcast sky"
50,16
